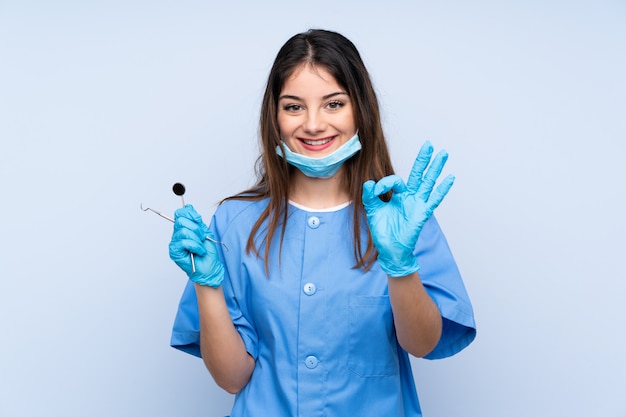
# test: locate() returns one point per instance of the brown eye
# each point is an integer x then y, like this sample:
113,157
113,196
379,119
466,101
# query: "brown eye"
292,107
335,105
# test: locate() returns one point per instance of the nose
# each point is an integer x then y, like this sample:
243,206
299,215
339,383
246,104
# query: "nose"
314,122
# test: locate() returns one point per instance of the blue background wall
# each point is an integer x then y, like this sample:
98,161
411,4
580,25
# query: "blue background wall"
104,105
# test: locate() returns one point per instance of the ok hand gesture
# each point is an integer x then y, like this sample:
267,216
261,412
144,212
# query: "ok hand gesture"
395,225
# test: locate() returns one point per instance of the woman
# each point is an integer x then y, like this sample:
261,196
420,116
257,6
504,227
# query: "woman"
308,291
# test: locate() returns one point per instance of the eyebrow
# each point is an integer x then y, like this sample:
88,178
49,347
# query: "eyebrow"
326,97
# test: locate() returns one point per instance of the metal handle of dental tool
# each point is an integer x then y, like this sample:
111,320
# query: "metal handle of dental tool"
172,220
179,189
157,212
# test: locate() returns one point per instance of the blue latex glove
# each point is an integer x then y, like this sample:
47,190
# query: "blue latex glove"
396,225
190,236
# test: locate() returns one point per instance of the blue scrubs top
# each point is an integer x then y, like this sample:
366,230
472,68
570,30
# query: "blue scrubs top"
320,331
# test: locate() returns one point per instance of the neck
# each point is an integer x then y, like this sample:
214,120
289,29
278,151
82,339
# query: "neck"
319,193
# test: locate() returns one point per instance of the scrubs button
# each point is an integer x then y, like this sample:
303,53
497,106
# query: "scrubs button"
311,362
310,288
313,222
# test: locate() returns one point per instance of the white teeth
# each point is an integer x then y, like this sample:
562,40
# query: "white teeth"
317,142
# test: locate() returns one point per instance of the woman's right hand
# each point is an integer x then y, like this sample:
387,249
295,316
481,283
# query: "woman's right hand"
192,236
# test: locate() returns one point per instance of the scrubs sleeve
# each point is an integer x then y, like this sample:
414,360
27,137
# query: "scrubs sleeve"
186,329
442,280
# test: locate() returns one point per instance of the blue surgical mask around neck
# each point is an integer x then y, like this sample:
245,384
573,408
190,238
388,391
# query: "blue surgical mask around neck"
326,166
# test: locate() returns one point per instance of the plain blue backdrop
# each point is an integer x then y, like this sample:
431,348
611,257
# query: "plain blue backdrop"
105,104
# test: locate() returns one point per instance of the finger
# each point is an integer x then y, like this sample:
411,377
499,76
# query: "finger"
440,192
372,191
186,241
181,258
420,164
188,212
188,218
432,174
184,223
370,200
390,183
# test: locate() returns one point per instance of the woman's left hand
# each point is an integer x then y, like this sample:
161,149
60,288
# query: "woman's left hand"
395,225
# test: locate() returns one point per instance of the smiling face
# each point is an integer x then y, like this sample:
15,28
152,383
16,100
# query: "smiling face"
315,114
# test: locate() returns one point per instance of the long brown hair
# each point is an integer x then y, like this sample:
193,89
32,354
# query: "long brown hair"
339,56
